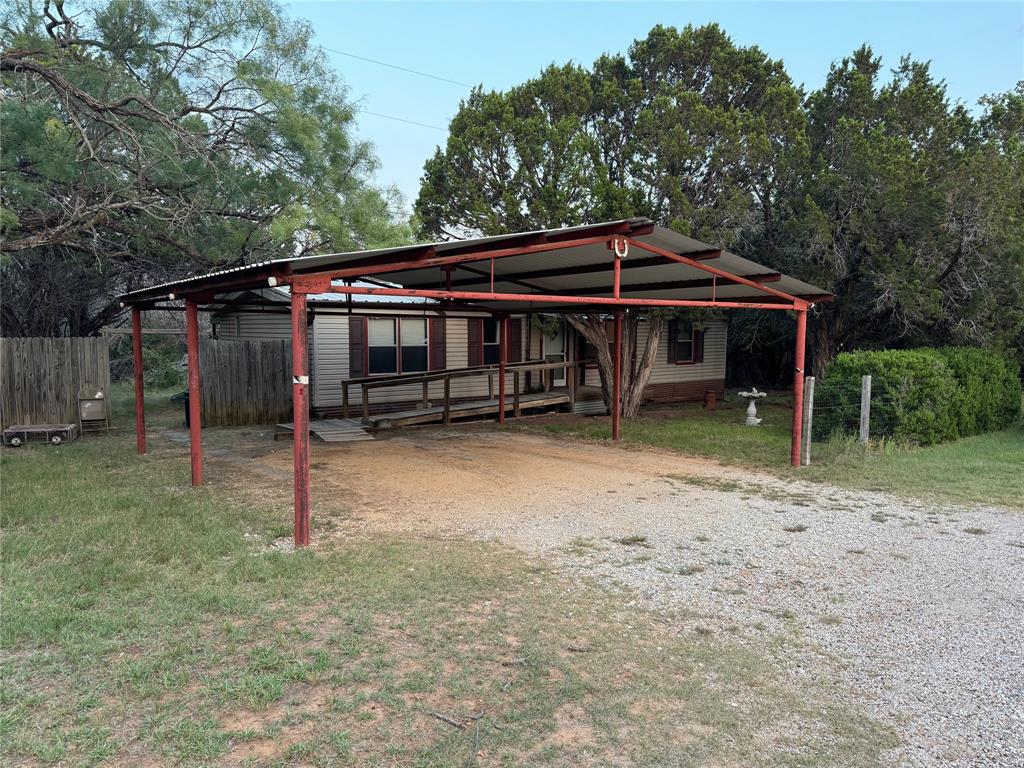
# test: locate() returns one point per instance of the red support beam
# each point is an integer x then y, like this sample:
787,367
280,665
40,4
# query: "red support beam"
140,406
540,298
617,378
617,362
195,428
502,357
300,417
798,386
437,260
715,271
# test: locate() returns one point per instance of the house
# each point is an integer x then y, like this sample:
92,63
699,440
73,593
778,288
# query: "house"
367,337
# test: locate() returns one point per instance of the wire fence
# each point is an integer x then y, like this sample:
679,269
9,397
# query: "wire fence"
845,416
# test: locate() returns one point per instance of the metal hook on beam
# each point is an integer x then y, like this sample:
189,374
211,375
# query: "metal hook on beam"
625,247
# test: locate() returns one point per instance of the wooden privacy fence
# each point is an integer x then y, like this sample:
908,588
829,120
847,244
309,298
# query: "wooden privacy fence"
42,378
245,382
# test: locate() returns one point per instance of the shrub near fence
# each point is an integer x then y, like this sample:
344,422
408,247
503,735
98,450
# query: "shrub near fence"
922,396
990,386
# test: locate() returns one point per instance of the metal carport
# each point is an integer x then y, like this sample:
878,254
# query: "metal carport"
606,267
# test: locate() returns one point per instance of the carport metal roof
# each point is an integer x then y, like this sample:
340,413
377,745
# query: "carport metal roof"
527,268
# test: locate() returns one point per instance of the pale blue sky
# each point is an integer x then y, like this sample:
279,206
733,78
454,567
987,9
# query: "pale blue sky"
978,48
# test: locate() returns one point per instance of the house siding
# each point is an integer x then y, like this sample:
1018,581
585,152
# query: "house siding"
674,382
329,360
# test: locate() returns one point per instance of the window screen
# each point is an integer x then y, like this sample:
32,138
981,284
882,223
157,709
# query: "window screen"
683,341
413,335
383,352
492,345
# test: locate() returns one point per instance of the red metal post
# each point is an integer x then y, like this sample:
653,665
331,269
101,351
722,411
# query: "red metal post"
194,410
617,378
140,406
617,362
300,418
798,386
502,357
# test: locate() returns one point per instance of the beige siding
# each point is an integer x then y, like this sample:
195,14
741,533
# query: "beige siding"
253,325
332,361
713,366
329,355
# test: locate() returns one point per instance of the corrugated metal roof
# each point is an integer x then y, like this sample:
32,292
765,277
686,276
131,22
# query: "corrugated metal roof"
587,267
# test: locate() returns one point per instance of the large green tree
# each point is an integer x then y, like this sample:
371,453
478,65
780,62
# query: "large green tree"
876,186
689,129
909,211
143,140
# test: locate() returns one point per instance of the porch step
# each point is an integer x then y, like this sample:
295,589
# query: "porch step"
329,430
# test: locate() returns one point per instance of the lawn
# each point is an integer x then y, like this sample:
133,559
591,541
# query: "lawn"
146,623
983,469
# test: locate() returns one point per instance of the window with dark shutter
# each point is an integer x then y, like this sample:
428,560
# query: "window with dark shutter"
682,341
474,334
356,346
382,345
412,333
438,344
490,341
698,346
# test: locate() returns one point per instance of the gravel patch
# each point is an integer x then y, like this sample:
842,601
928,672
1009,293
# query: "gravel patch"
916,607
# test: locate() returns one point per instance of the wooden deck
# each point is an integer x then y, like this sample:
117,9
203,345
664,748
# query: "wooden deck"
328,430
468,409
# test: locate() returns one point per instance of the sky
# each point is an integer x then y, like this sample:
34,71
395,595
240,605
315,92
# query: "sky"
978,48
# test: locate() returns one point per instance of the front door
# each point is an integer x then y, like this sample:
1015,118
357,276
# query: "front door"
554,352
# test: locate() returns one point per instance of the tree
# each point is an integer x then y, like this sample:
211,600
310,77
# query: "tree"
906,213
689,130
145,140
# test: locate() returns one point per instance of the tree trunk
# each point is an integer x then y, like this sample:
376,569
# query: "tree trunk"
635,375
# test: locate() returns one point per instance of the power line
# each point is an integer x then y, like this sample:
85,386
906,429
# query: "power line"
403,120
401,69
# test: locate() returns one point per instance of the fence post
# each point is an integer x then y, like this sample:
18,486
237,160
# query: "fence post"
808,419
865,408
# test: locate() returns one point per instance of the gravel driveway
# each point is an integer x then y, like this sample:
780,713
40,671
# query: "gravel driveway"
918,607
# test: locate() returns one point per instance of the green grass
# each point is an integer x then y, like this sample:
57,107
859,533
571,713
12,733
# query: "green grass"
984,468
148,623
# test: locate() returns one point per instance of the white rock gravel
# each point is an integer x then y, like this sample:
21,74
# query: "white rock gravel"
925,620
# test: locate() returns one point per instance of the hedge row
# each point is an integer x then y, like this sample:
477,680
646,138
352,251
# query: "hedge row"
922,396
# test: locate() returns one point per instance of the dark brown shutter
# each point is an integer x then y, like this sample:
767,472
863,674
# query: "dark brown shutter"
475,333
515,341
438,344
673,332
698,346
356,347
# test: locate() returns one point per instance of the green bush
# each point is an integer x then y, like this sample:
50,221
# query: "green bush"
990,385
921,396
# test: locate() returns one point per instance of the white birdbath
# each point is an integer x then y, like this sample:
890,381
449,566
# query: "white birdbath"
753,396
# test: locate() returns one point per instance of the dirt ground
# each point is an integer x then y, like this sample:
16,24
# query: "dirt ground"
914,607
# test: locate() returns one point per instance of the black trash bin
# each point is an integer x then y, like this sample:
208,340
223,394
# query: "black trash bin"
182,397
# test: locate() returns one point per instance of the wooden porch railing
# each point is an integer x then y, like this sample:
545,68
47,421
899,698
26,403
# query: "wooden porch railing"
545,368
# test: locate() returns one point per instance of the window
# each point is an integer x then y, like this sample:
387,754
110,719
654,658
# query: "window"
491,341
680,341
382,352
396,345
413,334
